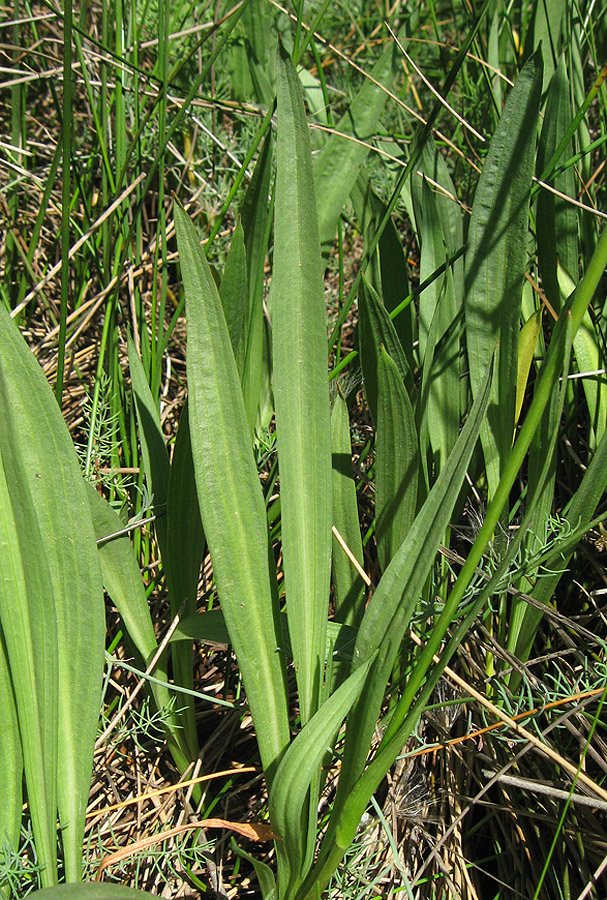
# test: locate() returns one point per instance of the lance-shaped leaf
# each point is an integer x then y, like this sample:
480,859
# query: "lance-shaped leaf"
348,585
30,636
338,165
376,329
301,391
39,458
183,559
234,294
11,793
255,220
122,581
496,258
389,612
296,772
556,223
231,500
153,447
396,461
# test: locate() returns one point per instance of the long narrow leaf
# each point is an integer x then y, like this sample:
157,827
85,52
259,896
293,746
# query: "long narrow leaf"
396,461
348,585
389,612
42,459
339,163
495,261
301,391
183,559
153,448
30,636
11,793
122,581
231,500
296,771
376,329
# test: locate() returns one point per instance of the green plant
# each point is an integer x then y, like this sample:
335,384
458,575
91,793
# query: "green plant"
436,378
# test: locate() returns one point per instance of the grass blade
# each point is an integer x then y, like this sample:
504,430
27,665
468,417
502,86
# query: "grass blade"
301,391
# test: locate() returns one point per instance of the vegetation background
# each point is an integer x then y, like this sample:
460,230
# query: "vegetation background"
457,152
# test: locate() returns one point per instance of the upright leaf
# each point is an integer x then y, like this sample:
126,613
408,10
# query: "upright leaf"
440,231
234,294
153,447
296,771
387,270
348,585
255,222
301,391
30,637
42,460
556,220
11,793
338,164
389,612
182,561
376,329
396,461
123,583
496,258
231,500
